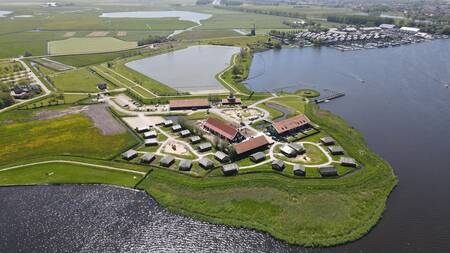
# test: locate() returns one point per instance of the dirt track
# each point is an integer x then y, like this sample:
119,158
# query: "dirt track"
103,120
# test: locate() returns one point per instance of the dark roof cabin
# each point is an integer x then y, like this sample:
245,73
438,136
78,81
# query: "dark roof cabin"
230,169
299,148
205,163
336,150
185,165
288,151
150,142
278,165
185,133
204,147
221,157
328,171
102,86
348,162
258,157
299,170
195,139
148,157
327,140
129,155
166,161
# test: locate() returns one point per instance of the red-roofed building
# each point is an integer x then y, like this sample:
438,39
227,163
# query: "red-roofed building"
251,145
222,129
189,104
291,125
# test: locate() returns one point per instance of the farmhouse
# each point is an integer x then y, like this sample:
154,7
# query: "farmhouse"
204,147
148,157
221,157
258,157
291,125
223,130
166,161
328,171
195,139
205,163
230,169
278,165
185,165
150,134
299,170
348,161
189,104
336,150
250,146
129,155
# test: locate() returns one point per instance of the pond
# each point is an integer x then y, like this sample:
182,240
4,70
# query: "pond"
188,70
195,17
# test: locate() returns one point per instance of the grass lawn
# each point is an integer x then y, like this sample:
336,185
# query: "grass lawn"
68,135
296,103
88,45
82,60
315,155
62,173
198,35
273,112
79,80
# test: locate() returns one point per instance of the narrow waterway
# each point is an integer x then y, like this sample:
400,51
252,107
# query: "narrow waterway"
399,98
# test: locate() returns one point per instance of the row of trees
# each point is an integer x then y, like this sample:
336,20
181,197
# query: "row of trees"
264,11
5,96
152,40
360,20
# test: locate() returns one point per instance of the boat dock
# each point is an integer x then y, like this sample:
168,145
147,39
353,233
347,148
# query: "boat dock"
326,97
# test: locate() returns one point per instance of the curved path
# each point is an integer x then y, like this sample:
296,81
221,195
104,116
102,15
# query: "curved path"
74,162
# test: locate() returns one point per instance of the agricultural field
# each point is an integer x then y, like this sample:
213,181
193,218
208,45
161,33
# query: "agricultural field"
88,45
79,80
203,34
32,135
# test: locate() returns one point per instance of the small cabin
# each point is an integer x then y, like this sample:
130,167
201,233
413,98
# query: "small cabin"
185,133
288,151
328,171
230,169
150,142
206,164
168,123
336,150
206,146
221,157
142,129
327,141
129,155
299,170
258,157
150,134
185,165
348,162
278,165
195,139
176,128
148,157
167,161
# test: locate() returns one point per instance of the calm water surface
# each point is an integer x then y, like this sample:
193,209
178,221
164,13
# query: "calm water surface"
5,13
403,109
188,70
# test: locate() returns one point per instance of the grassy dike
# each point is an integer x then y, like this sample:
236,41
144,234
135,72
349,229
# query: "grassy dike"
313,212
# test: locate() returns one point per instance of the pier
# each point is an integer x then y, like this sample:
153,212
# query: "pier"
326,97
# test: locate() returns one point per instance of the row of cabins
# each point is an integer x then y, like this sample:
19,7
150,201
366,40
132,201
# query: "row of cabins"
200,103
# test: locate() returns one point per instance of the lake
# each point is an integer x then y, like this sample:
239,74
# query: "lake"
77,218
4,13
188,70
195,17
397,97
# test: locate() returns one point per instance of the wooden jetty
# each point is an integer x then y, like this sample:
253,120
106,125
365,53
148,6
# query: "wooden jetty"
324,98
